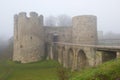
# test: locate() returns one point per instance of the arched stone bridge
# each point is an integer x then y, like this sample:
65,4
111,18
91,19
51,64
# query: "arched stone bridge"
79,56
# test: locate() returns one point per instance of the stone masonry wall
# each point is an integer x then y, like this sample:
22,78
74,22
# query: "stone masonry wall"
64,33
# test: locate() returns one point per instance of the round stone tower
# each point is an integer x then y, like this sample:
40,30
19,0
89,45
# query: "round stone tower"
28,37
84,30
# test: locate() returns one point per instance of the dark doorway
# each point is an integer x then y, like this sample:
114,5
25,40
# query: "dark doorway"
55,37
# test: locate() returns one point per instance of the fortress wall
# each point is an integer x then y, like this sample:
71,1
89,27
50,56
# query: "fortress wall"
29,38
84,30
64,33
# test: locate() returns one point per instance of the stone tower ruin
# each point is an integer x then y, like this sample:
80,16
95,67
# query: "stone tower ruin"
28,37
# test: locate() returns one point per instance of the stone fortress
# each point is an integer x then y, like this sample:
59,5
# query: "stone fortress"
33,40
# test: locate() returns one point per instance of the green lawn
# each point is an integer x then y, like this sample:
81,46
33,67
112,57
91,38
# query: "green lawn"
42,70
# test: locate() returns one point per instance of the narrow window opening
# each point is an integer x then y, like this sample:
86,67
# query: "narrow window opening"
21,46
31,37
55,37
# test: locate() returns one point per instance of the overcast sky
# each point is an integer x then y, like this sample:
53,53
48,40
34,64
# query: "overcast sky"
107,11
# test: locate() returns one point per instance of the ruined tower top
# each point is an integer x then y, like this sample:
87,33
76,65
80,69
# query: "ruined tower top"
33,14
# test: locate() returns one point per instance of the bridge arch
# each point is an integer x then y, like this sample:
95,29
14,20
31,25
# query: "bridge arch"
81,59
70,57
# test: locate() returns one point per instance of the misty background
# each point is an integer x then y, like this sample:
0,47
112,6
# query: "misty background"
107,12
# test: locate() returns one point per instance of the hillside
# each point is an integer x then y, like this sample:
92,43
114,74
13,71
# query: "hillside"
107,71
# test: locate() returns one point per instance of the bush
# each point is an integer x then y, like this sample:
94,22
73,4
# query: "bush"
63,73
17,62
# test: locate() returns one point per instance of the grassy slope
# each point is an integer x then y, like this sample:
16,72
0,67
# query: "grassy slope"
107,71
43,70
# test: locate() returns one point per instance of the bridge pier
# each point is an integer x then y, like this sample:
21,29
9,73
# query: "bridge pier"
74,65
51,52
98,57
118,54
65,59
63,56
60,56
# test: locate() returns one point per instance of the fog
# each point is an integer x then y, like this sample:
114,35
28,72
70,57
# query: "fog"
107,12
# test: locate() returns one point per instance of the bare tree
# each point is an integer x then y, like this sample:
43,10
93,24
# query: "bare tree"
6,49
50,21
3,44
64,20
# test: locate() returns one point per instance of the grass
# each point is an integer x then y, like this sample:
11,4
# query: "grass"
48,70
107,71
42,70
